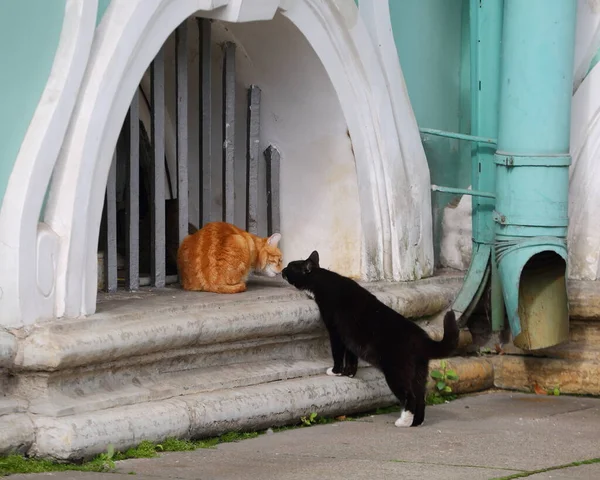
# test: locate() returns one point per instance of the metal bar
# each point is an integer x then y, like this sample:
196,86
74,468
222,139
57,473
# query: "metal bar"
228,130
146,281
204,30
252,152
181,73
110,251
273,160
133,196
462,191
158,188
458,136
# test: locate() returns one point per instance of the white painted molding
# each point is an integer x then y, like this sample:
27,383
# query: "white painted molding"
584,191
27,248
126,41
130,35
406,169
587,38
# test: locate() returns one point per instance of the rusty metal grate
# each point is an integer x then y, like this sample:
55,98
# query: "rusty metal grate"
146,213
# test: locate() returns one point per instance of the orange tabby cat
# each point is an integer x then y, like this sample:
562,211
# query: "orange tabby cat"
219,257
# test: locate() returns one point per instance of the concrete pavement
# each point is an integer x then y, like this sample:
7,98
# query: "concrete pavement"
485,436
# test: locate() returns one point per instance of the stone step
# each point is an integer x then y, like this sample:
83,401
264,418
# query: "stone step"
214,412
137,377
175,384
163,363
583,344
171,319
587,332
114,355
164,386
572,367
570,376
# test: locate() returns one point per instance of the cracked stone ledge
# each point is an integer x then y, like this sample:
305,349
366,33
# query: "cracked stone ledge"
93,340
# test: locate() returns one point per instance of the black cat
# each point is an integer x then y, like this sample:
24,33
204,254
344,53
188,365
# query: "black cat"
359,325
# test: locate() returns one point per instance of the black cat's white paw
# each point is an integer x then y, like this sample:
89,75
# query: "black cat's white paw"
406,419
331,373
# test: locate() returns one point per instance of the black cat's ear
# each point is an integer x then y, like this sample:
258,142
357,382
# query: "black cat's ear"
311,262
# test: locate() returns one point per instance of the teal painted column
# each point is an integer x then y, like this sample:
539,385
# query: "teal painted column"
532,163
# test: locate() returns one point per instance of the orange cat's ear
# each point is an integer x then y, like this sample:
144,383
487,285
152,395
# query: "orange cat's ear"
274,239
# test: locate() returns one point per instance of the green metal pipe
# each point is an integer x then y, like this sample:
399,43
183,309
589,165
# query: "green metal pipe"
486,37
535,113
532,163
485,23
462,191
458,136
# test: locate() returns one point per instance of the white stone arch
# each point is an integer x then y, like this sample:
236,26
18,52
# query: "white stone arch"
130,35
27,247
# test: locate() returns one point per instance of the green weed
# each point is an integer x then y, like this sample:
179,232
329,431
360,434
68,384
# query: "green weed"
442,391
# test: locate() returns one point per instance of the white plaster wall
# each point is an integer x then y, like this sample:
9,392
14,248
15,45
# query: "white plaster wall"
301,115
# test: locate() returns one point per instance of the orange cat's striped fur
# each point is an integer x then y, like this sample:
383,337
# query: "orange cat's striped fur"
220,256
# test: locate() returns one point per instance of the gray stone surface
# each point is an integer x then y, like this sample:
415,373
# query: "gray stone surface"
172,319
16,433
486,436
11,405
8,348
209,413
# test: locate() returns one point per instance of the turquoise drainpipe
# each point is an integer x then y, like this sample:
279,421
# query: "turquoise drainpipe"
485,31
532,168
485,23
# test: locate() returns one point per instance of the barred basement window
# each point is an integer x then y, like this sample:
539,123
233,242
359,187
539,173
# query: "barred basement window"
146,212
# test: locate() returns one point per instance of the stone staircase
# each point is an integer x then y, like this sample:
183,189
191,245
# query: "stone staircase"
169,363
164,363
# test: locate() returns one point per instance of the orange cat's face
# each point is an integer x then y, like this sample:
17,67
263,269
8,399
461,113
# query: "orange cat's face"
270,261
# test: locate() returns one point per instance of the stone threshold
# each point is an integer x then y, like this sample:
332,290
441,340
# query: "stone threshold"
144,323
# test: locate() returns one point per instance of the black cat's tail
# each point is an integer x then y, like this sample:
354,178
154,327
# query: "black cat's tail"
449,342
